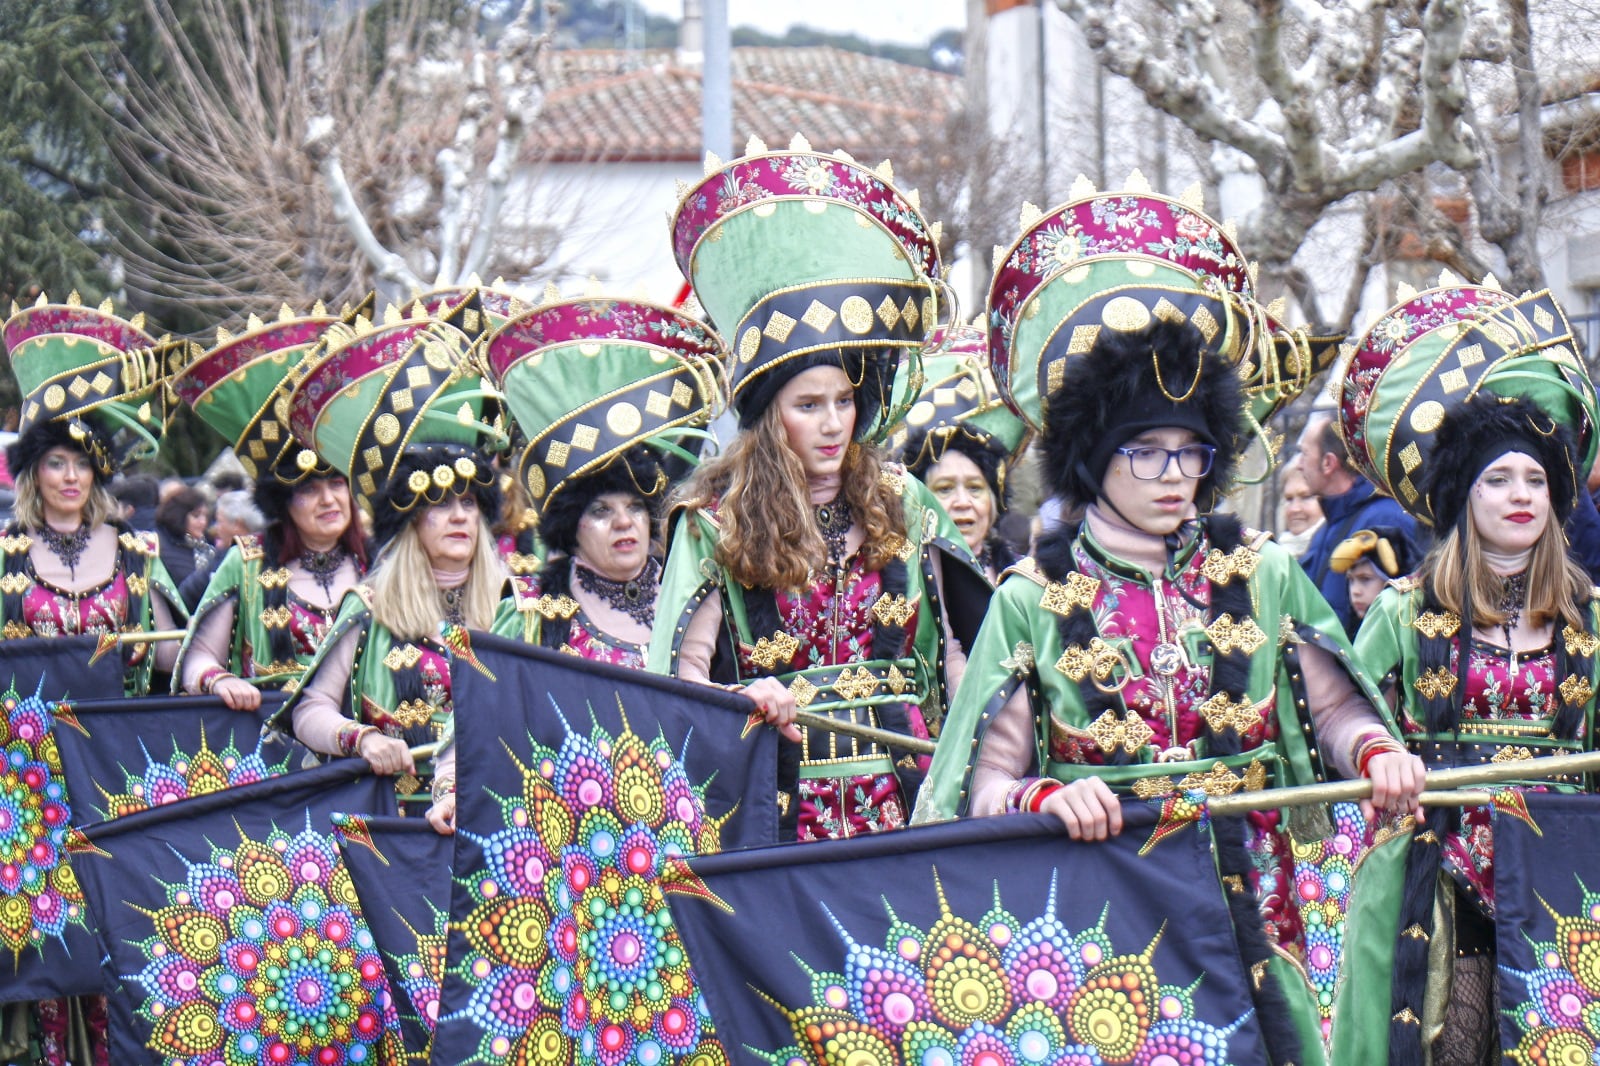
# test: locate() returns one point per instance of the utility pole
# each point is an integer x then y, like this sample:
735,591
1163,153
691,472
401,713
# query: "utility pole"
716,92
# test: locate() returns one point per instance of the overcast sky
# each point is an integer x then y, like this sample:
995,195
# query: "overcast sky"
899,21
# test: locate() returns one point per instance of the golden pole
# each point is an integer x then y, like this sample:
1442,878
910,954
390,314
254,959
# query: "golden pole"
1439,781
887,738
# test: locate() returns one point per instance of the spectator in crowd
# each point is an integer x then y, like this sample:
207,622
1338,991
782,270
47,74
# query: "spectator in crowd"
138,494
169,486
1302,514
237,515
1370,559
1349,502
181,523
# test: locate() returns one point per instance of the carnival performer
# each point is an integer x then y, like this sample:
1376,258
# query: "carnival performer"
612,396
1157,647
271,601
400,409
803,567
92,399
961,440
1488,651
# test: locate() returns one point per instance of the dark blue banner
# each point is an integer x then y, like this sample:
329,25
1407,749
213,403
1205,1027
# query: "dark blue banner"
401,871
579,784
989,940
124,756
232,929
47,946
1547,926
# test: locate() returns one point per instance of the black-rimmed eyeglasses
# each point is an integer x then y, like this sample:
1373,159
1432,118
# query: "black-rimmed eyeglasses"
1148,462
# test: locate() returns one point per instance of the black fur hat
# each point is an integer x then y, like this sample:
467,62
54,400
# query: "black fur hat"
80,434
639,472
1130,382
424,475
1478,431
924,450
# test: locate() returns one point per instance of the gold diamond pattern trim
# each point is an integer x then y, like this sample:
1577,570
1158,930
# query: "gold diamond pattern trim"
892,610
1410,457
277,578
910,313
1129,733
1435,624
419,377
682,395
858,687
1054,375
1543,319
79,388
373,457
367,486
557,453
552,607
15,630
1205,322
779,326
401,400
1083,338
819,316
1167,311
898,682
15,584
1512,754
1227,634
15,543
585,437
1408,490
1578,642
1453,380
412,713
102,383
888,313
403,657
1471,355
803,692
770,651
276,617
1078,591
1576,691
657,404
1222,711
1438,683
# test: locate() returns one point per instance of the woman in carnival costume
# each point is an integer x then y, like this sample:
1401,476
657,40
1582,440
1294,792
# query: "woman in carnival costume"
1468,405
93,391
803,567
400,408
1158,646
612,397
271,602
961,440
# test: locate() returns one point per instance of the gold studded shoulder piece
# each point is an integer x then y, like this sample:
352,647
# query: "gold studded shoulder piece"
1405,584
250,548
1026,567
140,543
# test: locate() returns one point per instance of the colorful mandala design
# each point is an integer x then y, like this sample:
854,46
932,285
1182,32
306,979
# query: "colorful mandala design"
1560,1011
1002,992
1323,872
183,775
39,894
422,972
573,956
261,957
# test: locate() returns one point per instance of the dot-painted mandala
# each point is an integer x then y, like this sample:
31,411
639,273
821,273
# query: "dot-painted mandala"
573,954
422,972
261,957
39,895
1560,1011
183,775
998,991
1323,873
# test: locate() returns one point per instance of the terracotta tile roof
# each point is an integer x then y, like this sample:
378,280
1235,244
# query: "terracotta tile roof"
645,105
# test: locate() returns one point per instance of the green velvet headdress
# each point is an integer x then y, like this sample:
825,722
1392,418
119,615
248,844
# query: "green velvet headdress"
958,396
100,375
1434,350
804,260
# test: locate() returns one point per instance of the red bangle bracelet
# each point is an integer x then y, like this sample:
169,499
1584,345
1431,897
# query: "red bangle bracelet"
1041,790
1373,749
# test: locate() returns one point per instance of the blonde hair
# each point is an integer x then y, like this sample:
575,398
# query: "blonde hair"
1556,584
769,537
405,599
99,506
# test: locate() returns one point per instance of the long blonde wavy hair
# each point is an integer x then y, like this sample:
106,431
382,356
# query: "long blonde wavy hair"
99,506
769,536
1556,584
405,599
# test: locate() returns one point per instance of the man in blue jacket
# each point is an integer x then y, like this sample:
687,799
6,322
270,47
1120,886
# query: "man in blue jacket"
1349,503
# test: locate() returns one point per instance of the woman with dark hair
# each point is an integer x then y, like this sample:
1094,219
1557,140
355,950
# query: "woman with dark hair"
399,408
960,439
1487,651
649,376
804,568
91,386
181,523
271,601
1157,646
